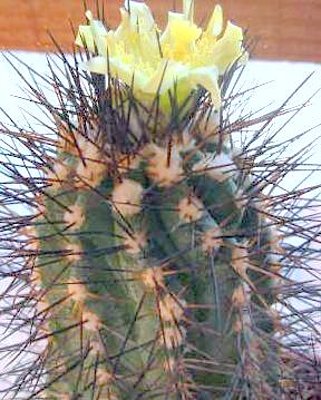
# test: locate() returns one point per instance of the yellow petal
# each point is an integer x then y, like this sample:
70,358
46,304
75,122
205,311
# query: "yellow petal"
85,38
165,76
188,7
93,36
136,32
169,77
179,37
126,73
140,16
172,17
215,25
98,65
207,77
229,48
186,79
99,33
129,74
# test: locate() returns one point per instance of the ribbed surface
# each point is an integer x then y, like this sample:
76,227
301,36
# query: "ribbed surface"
284,29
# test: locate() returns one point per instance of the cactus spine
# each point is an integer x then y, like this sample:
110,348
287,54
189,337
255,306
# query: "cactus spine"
154,254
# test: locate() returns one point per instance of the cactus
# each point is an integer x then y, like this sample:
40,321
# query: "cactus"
305,379
154,253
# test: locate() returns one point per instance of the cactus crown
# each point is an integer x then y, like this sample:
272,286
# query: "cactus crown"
156,254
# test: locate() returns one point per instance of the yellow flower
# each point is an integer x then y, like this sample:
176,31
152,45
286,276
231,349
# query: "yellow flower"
184,56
